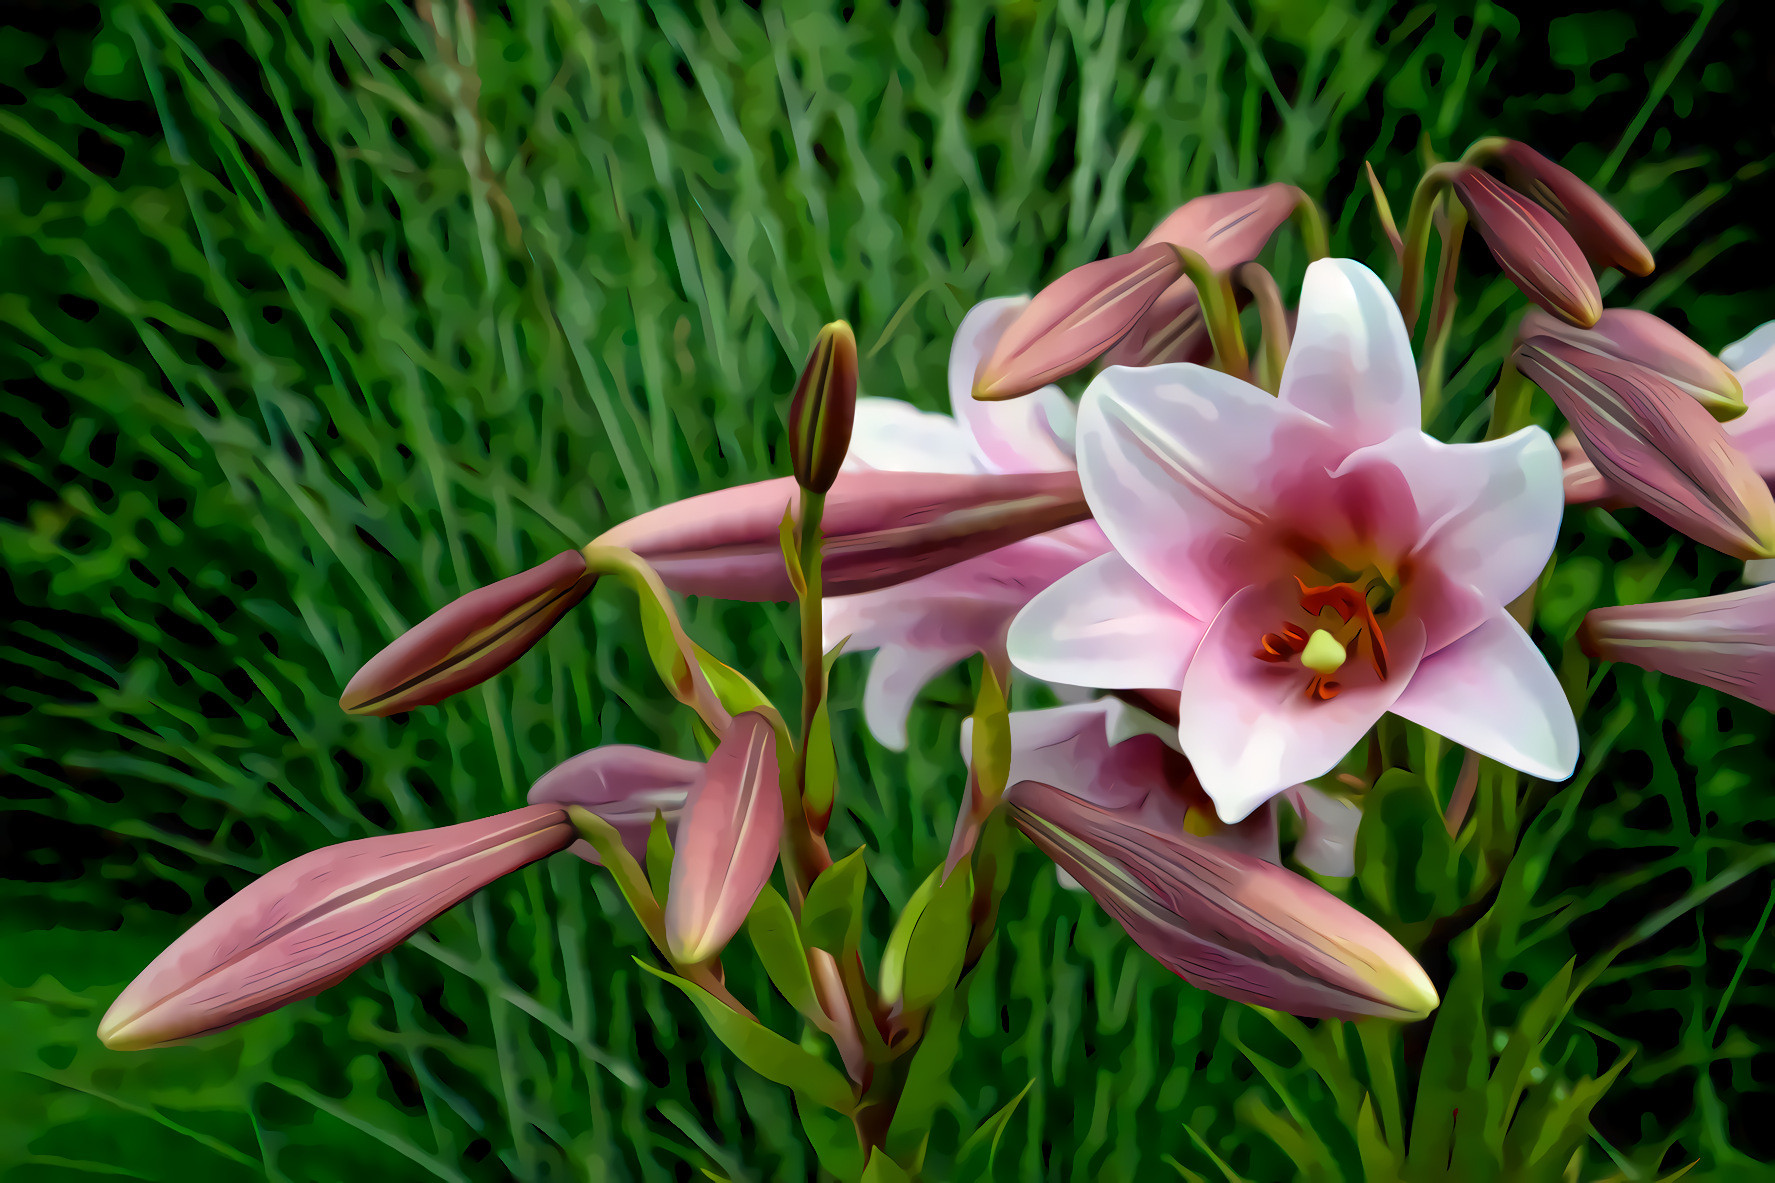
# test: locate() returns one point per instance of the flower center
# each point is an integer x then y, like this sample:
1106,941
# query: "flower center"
1323,651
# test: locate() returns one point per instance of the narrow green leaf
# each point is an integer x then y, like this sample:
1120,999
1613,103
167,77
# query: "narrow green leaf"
927,1078
1226,1171
832,915
1522,1054
788,536
977,1155
1379,1160
763,1050
992,736
775,936
924,954
631,880
659,857
883,1169
833,1137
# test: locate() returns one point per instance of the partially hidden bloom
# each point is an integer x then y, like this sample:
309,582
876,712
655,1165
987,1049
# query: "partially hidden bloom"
726,842
922,627
1120,758
309,923
1726,642
626,786
1223,920
1140,295
469,639
881,529
1533,248
1657,447
1600,231
1297,566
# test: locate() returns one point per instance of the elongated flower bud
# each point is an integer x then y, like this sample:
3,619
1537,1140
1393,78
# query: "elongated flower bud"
624,785
1657,447
1074,319
882,528
1598,228
1644,340
1726,642
308,924
825,403
726,842
469,639
1535,251
1230,923
1226,229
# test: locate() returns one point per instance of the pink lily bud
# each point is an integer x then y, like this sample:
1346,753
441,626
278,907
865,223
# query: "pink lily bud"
1726,642
726,842
624,785
881,528
1074,319
1598,228
308,924
469,639
824,406
1225,921
1644,340
1535,251
1656,447
1226,229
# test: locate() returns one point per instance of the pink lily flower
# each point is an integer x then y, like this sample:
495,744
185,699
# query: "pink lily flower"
1122,759
1752,359
924,626
1297,566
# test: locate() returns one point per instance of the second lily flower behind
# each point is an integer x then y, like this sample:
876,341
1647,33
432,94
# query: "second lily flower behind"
1297,566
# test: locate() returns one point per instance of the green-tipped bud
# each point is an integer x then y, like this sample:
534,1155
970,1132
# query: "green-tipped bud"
825,403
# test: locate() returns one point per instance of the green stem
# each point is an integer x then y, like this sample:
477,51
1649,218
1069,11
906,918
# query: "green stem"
1510,402
1220,312
1273,316
1310,222
1442,310
1417,238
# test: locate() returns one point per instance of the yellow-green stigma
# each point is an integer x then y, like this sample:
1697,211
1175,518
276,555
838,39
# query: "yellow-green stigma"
1323,653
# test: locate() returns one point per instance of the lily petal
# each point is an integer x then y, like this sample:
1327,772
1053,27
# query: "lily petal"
896,675
1328,843
1350,364
1104,625
1493,692
894,436
1249,727
623,784
1176,462
1029,434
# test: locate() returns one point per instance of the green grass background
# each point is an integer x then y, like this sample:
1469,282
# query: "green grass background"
315,314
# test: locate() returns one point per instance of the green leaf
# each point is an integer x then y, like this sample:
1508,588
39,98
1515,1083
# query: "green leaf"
883,1169
923,955
1405,859
659,857
832,915
927,1078
1455,1069
1522,1054
822,761
788,536
833,1137
775,936
764,1051
976,1157
992,736
1379,1160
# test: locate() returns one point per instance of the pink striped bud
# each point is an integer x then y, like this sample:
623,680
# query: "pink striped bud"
624,785
1630,335
1535,251
1074,319
1225,921
308,924
1726,642
726,842
1656,447
881,528
1596,226
469,639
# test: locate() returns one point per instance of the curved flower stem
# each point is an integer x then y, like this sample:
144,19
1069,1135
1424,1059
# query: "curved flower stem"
1442,309
1257,280
1309,220
1417,238
1384,211
1510,402
1220,312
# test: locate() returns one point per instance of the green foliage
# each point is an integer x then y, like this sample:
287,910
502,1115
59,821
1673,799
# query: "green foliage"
314,316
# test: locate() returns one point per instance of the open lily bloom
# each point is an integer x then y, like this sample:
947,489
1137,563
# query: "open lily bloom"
1120,758
1297,566
928,624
